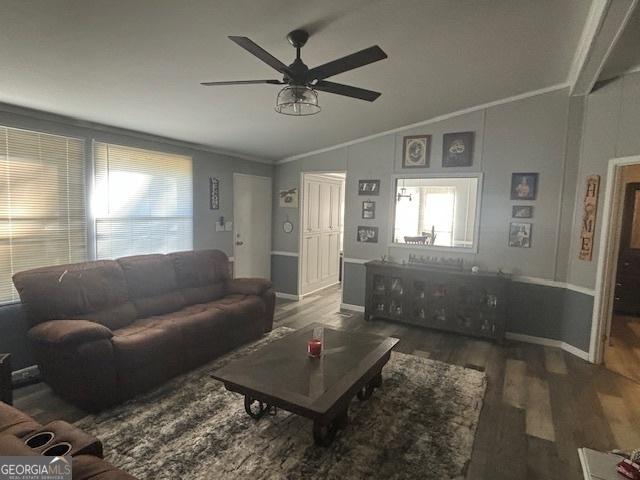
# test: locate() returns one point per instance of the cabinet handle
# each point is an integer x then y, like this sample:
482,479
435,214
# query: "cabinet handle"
626,264
617,298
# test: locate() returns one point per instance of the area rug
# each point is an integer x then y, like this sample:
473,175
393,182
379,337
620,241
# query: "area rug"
420,424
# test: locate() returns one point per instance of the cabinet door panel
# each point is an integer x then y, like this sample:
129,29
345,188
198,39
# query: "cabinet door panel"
312,203
334,254
311,259
325,206
334,222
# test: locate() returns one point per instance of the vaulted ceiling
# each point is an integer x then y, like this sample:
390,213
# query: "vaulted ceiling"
137,64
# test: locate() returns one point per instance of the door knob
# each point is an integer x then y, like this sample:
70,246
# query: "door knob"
239,243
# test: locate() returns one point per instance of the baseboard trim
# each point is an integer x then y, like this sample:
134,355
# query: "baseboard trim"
306,294
548,342
353,308
287,296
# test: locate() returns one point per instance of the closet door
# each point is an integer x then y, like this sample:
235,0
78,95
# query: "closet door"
311,259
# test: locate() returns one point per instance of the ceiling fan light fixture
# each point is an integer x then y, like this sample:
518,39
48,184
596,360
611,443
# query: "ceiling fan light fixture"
297,100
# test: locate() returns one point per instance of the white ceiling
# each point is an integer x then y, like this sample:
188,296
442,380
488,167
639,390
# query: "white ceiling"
137,64
626,54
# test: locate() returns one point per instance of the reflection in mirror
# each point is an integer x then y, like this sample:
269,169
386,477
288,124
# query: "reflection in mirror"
439,212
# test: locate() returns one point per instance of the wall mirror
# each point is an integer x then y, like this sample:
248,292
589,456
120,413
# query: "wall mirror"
437,212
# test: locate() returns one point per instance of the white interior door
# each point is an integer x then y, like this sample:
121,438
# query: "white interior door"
322,231
252,226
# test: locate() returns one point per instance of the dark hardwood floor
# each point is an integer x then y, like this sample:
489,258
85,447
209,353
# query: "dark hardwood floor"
541,403
622,355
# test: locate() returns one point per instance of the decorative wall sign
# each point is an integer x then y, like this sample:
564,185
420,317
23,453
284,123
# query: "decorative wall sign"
522,211
214,193
416,151
368,210
367,234
524,186
289,198
590,209
368,187
520,235
457,149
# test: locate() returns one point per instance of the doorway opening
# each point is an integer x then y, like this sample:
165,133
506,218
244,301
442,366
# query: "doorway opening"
617,302
322,230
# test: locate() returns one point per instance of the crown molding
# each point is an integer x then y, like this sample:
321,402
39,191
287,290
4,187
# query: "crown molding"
439,118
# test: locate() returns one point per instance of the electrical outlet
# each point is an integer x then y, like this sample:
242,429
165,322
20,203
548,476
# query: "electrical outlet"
228,226
219,228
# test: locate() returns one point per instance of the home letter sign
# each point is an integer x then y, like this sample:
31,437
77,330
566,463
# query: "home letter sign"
589,217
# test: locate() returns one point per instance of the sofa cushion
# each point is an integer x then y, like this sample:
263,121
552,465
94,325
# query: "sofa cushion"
79,290
146,353
201,274
151,282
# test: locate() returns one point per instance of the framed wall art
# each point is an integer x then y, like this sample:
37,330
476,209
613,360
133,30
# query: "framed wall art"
214,193
368,210
522,211
524,186
520,235
416,151
367,234
457,149
289,198
368,187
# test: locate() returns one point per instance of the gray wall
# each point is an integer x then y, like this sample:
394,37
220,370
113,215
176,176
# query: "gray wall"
537,134
205,164
526,135
611,129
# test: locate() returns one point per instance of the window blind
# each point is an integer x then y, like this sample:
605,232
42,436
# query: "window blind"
42,203
143,201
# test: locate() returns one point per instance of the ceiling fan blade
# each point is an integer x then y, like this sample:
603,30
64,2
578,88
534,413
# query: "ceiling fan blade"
261,53
242,82
344,64
346,90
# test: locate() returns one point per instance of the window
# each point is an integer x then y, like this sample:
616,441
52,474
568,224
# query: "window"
42,203
436,212
142,201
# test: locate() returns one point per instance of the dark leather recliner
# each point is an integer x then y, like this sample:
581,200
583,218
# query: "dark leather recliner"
16,428
107,330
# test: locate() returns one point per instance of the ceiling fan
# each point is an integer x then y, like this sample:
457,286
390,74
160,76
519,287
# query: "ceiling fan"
299,97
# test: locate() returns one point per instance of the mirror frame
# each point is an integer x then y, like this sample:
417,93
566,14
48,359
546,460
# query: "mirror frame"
433,248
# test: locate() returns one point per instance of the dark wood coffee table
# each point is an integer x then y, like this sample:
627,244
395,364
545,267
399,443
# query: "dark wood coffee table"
282,375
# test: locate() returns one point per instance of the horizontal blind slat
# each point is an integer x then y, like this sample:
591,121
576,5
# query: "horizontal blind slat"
42,203
143,201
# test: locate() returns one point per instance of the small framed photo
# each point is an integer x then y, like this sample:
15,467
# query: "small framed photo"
520,235
457,149
368,210
522,211
368,187
524,186
367,234
416,151
289,198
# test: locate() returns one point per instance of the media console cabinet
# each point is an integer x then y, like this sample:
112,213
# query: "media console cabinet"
462,302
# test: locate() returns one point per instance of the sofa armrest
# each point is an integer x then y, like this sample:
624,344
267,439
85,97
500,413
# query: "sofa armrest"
249,286
68,332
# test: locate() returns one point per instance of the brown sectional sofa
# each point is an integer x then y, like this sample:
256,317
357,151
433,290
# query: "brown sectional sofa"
18,429
107,330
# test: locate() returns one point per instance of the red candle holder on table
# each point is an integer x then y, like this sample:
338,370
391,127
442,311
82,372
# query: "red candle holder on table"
314,348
